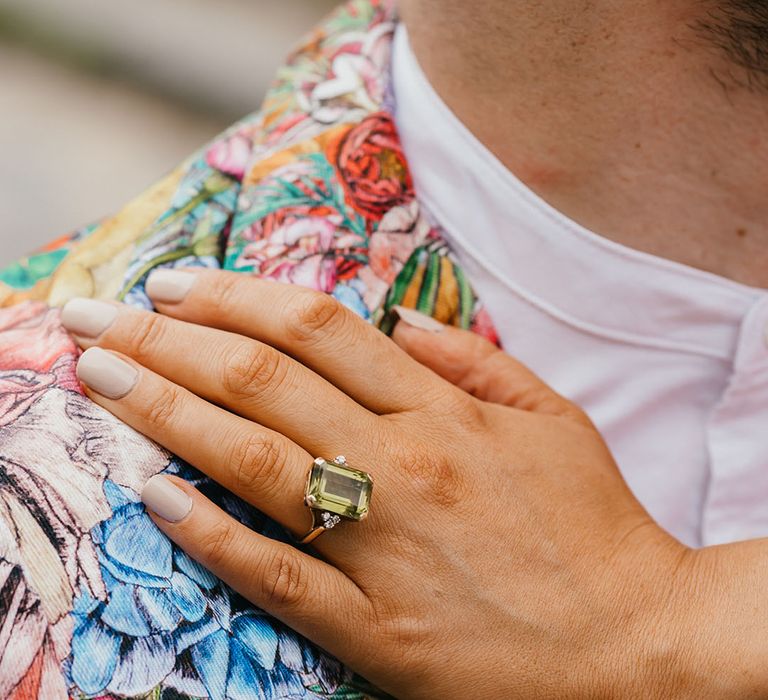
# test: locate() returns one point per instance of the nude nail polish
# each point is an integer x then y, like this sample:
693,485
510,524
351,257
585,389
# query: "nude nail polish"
417,319
169,286
88,317
166,499
106,373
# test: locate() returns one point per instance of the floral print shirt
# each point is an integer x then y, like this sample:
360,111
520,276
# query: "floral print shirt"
312,190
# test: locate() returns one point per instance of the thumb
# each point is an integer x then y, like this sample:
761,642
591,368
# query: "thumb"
477,366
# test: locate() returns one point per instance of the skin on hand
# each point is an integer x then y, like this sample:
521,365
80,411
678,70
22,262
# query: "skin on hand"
504,555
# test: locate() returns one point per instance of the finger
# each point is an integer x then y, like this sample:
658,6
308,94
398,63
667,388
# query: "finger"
246,376
312,597
312,327
263,467
477,366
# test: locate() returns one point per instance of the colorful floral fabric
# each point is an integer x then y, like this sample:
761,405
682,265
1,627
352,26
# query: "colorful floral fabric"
313,190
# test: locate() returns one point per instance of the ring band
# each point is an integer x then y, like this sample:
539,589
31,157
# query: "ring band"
335,492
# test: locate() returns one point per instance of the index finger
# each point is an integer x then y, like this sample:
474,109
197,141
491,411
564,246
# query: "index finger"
310,326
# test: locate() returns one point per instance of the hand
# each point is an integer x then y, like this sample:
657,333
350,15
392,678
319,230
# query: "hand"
504,555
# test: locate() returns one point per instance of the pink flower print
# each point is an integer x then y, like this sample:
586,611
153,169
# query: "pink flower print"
311,233
231,154
33,338
401,230
316,272
295,249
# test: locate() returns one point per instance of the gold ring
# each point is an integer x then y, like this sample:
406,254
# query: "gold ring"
335,492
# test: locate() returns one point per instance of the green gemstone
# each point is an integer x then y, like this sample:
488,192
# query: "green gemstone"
337,488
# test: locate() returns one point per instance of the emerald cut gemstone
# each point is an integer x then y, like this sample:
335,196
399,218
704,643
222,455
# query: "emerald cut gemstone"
335,487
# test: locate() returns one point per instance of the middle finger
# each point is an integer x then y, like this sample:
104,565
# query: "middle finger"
243,375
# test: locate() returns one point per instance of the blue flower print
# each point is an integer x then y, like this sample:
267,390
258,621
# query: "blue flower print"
168,625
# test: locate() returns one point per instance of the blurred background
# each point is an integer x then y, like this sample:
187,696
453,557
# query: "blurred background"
99,99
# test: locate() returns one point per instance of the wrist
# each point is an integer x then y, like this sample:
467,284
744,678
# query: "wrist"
708,633
667,637
638,646
654,639
727,619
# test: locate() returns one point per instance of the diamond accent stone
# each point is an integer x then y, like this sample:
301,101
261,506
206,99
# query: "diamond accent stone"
330,520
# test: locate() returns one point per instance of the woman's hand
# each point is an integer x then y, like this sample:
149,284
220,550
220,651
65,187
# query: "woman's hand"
504,555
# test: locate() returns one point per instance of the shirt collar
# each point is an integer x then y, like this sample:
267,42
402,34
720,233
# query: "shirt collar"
512,233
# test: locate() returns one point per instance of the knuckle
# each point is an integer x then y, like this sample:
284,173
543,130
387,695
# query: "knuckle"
451,404
466,411
285,583
575,414
405,634
252,368
313,315
258,466
567,409
161,412
432,474
147,337
214,545
405,630
222,294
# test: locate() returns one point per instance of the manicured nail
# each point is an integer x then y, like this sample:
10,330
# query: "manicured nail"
106,373
166,499
418,320
169,286
88,317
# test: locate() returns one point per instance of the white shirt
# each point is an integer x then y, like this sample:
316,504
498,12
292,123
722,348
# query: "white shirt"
670,362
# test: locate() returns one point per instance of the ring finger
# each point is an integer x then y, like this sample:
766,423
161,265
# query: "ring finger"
262,466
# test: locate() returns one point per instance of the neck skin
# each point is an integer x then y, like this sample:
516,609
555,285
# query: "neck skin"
619,114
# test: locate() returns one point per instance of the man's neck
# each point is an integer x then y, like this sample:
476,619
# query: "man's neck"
621,115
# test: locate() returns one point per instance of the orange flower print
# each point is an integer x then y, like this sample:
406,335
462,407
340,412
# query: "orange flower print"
372,167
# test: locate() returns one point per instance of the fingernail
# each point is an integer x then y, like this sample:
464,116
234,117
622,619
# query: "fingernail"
88,317
169,286
106,373
166,499
418,320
